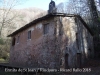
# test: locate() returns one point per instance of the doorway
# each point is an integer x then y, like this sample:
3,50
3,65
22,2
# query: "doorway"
66,60
79,60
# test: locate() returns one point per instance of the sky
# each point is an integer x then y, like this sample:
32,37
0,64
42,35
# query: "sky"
42,4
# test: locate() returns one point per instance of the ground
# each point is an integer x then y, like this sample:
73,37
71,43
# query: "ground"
93,64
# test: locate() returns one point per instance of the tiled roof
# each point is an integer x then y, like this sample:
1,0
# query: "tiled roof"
48,16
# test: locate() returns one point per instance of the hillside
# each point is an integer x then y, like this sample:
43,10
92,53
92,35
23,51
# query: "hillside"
19,18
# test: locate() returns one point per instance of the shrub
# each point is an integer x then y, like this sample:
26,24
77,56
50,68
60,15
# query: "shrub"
1,41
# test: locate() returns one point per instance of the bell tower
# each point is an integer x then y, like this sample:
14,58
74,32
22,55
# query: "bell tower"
52,7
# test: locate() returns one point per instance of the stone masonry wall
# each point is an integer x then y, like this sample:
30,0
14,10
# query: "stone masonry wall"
39,51
48,51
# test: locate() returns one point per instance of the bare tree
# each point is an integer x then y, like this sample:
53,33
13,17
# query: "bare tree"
85,8
60,8
77,7
6,10
7,17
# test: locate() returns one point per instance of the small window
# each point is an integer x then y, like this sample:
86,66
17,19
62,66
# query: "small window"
46,28
29,34
18,39
77,42
13,41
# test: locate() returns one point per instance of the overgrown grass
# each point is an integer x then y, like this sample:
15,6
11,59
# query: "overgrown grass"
3,60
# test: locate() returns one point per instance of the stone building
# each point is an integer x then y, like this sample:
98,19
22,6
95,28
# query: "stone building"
53,41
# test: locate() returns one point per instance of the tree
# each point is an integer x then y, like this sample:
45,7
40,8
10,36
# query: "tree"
7,16
87,9
60,8
6,10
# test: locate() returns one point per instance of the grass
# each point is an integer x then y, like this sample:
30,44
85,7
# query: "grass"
99,19
3,60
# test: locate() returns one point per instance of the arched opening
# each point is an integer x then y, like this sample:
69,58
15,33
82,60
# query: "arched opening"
66,61
89,53
13,41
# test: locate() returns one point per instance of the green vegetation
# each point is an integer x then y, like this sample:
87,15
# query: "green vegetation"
99,18
1,41
4,49
3,60
4,55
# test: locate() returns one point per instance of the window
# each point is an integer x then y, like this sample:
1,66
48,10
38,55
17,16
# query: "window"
13,41
77,40
18,39
46,28
29,34
79,57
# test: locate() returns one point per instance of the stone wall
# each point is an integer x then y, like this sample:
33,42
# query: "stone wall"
49,50
39,51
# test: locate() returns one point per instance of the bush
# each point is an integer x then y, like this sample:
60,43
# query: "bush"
99,19
2,60
4,55
1,41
